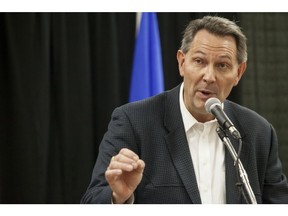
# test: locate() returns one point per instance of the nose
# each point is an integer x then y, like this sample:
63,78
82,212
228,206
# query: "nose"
209,74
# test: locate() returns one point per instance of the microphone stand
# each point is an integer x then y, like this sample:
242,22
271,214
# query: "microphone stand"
242,173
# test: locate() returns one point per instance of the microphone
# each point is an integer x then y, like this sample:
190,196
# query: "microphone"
213,106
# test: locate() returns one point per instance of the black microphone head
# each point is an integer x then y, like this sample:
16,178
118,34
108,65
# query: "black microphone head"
211,103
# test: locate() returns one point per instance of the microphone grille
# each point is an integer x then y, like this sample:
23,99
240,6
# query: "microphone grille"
210,103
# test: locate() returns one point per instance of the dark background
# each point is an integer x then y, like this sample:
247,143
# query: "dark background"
62,74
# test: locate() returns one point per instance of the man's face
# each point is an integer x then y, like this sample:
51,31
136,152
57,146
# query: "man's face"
209,69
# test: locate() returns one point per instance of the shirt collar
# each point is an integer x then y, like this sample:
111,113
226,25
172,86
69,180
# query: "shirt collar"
188,119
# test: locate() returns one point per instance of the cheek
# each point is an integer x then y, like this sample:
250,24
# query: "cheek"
229,79
190,72
226,83
190,79
226,88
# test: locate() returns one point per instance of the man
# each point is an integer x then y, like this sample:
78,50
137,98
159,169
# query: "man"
166,150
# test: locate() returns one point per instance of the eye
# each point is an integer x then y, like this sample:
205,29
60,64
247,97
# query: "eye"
198,61
223,66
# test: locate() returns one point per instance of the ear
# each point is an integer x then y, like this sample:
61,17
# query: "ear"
181,60
241,70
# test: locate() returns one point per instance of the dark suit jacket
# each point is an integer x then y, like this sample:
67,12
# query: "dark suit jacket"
154,129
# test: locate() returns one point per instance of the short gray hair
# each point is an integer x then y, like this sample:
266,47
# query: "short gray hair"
219,26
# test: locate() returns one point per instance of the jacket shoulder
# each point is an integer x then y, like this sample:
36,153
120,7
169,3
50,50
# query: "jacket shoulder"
246,119
155,103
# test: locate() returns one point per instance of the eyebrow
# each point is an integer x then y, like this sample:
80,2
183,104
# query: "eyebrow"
222,56
226,57
200,52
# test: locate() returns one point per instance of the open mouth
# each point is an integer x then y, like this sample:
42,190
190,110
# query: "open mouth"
206,93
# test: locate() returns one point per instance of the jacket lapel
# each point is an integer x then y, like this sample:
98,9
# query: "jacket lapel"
233,195
178,146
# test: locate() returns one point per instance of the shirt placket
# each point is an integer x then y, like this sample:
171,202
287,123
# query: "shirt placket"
205,166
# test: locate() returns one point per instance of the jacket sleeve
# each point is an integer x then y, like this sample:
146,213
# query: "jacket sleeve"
275,189
118,136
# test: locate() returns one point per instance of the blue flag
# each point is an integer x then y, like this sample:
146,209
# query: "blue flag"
147,71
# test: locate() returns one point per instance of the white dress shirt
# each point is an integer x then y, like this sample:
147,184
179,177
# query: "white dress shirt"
208,156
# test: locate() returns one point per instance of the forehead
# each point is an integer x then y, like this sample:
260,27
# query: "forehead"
205,41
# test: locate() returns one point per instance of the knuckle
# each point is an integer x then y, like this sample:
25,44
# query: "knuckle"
123,150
